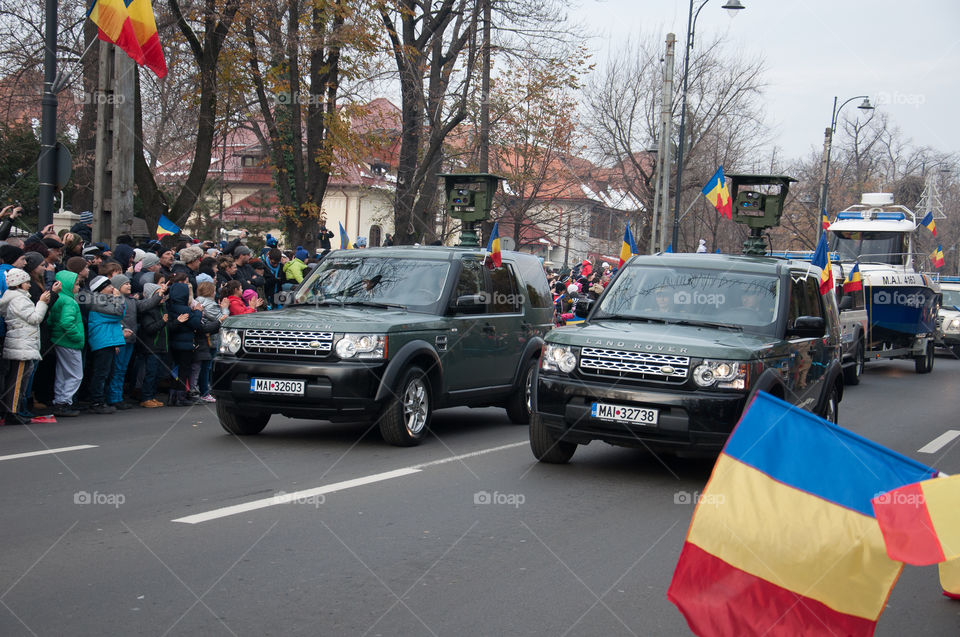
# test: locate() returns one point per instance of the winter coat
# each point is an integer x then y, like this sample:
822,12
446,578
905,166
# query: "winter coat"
237,306
182,334
66,323
133,309
293,270
191,275
82,229
209,336
104,325
153,329
123,254
23,318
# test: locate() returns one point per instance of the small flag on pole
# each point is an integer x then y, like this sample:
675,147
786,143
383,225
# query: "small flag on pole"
937,257
928,222
165,227
493,246
854,281
824,220
628,248
717,192
821,259
344,239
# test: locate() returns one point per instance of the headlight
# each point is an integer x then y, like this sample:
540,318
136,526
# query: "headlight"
230,341
723,374
362,346
558,358
953,325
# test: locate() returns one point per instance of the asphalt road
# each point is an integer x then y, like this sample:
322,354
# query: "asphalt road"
424,541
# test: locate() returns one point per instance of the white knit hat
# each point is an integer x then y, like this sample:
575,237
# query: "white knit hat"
16,276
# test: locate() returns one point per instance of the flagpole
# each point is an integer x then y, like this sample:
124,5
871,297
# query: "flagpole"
47,164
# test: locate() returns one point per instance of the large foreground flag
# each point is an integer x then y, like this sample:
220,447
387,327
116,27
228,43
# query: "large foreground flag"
493,246
921,522
628,248
929,223
717,192
165,227
344,239
783,541
145,28
821,259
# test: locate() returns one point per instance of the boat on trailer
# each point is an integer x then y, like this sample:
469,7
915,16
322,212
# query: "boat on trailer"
901,302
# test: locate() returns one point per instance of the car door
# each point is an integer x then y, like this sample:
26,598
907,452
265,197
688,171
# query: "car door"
810,355
467,359
503,326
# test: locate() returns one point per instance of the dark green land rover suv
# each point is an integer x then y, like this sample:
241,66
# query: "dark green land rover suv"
673,350
388,335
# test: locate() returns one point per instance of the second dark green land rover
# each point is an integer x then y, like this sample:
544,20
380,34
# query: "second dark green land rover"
388,335
673,350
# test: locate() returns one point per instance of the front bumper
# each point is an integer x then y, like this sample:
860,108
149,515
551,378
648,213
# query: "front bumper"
334,390
687,420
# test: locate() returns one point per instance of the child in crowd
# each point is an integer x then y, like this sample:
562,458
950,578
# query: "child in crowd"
235,303
66,332
153,342
207,338
121,361
105,328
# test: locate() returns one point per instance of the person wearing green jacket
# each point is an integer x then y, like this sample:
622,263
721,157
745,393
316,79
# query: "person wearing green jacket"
293,269
66,332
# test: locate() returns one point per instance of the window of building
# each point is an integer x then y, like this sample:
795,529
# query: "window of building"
373,240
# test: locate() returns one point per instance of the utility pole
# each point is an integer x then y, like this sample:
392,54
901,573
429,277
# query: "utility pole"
485,91
666,133
47,163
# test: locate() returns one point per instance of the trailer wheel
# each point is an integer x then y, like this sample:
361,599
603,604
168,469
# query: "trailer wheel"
851,375
924,363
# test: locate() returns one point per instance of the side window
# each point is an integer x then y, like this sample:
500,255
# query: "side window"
538,291
505,297
804,298
470,280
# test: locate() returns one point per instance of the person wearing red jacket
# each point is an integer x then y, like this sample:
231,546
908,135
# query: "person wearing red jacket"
237,305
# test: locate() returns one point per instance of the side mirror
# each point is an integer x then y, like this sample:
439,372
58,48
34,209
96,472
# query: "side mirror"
808,327
471,303
583,307
846,303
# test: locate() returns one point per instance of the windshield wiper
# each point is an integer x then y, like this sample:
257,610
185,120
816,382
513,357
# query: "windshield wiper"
388,306
623,317
730,326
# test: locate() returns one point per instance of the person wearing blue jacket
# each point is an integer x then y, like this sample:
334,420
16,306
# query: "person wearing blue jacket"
105,336
189,321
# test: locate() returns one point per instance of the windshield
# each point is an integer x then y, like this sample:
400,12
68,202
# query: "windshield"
415,284
951,297
874,247
697,296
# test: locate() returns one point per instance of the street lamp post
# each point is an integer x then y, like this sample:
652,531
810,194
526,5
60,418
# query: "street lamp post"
732,6
828,146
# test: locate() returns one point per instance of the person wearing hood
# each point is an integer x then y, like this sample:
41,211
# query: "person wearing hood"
182,332
21,347
293,269
67,336
133,308
702,248
153,339
84,227
123,252
105,328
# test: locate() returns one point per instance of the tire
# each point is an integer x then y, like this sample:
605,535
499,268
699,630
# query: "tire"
520,403
247,424
831,408
405,418
851,374
545,447
924,364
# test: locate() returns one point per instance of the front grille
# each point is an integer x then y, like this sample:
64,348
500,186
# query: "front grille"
287,342
613,363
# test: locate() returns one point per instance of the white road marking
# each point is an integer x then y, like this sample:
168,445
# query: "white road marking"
46,452
298,496
939,442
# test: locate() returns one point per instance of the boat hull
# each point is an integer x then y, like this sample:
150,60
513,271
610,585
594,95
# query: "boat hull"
899,312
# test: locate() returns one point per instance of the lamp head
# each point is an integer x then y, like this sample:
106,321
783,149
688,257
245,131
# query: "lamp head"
732,6
865,105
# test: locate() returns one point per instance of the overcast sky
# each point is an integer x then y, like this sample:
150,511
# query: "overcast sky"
904,55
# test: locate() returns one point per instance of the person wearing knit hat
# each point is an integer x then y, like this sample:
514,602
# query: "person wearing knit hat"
190,254
79,266
86,218
31,261
294,268
10,254
138,255
149,260
84,227
21,345
119,280
189,264
99,283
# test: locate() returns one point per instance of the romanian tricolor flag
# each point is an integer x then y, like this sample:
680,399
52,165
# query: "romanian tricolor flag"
717,192
929,223
165,227
921,521
854,281
493,246
344,239
824,220
112,17
937,257
145,28
628,248
821,259
784,540
950,578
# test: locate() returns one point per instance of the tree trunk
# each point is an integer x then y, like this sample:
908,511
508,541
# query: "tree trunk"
83,165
